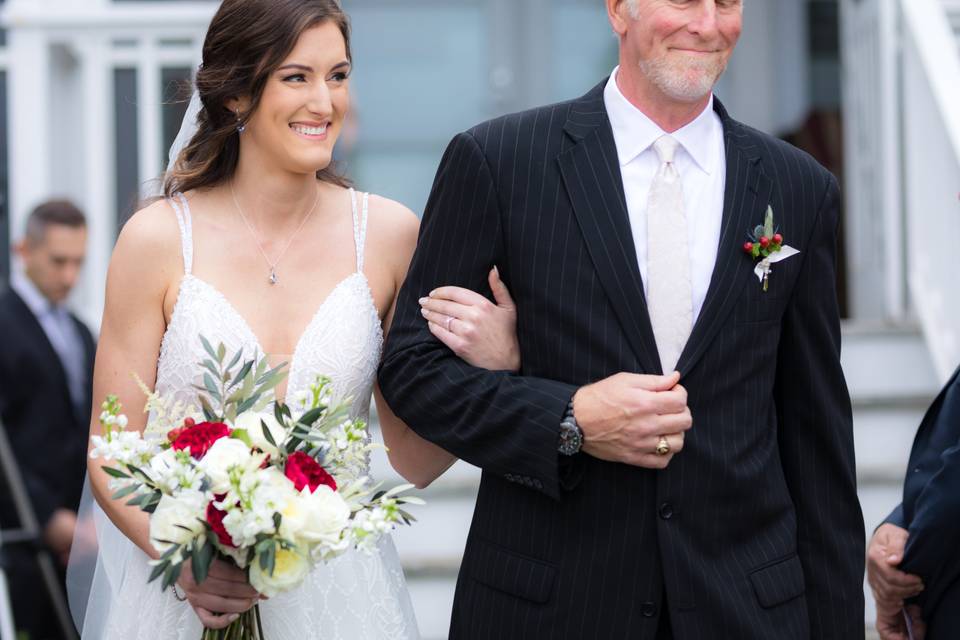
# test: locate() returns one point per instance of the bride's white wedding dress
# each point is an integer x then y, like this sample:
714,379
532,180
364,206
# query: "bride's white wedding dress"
356,596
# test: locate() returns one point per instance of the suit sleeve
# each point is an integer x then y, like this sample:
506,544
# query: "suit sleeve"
815,431
937,510
504,423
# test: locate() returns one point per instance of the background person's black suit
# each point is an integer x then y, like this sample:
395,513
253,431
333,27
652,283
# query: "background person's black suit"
930,511
49,438
754,530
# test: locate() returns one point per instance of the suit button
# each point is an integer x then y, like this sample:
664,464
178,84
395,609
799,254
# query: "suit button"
648,609
666,511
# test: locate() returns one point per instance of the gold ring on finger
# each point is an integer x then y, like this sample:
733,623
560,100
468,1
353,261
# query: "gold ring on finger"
663,447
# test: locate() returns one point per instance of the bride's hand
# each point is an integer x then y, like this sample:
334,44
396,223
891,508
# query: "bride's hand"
484,334
222,597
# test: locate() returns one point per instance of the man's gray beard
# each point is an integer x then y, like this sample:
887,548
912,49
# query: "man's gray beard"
678,82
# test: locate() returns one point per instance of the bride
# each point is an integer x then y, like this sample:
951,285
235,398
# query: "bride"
260,245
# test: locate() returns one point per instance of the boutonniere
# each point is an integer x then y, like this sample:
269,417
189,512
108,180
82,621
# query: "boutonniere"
765,244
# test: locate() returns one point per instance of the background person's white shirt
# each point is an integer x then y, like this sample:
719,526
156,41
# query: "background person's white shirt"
702,165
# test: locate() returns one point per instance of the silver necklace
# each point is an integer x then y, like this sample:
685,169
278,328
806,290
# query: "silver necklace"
273,279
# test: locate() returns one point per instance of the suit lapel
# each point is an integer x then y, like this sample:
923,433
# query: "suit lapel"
591,174
746,196
38,336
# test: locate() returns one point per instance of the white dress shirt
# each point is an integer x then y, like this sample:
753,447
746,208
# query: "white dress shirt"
702,165
60,330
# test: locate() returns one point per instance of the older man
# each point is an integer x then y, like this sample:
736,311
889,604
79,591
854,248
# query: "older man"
46,364
619,220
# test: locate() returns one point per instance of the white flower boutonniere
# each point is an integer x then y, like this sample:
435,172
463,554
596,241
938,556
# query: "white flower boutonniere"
765,244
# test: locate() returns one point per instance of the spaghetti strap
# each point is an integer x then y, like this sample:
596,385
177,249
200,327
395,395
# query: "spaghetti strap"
180,207
359,225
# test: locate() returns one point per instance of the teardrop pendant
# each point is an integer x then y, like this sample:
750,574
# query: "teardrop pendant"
273,277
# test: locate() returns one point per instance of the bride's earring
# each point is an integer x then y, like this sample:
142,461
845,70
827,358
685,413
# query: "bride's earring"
240,127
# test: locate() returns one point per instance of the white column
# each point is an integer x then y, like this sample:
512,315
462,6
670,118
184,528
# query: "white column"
98,200
28,96
148,113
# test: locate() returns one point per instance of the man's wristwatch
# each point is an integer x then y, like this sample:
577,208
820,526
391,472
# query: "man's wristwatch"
571,436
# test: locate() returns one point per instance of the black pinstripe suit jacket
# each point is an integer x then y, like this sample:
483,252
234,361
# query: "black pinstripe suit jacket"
754,530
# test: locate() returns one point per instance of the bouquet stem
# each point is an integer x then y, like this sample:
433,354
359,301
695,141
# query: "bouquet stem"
247,627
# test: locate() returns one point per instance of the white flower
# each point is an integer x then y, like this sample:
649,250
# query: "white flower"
290,568
261,493
250,422
177,519
222,456
173,471
326,516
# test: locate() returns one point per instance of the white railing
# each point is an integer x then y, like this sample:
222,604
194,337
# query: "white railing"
930,95
872,185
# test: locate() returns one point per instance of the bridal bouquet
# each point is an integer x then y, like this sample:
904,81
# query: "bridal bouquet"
275,490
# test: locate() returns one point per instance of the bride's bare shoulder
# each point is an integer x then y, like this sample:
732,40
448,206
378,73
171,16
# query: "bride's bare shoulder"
392,228
149,243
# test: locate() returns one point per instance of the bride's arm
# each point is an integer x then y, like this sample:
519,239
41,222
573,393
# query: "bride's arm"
145,265
486,337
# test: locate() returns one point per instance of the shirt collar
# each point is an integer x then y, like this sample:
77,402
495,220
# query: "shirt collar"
634,132
35,301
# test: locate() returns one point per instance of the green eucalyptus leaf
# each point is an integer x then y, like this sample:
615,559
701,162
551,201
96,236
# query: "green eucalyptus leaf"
242,375
208,347
235,359
310,417
202,557
211,387
158,570
115,473
208,413
266,434
123,493
221,353
242,436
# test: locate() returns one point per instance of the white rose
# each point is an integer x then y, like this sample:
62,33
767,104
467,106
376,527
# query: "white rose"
289,570
326,515
172,514
250,422
224,454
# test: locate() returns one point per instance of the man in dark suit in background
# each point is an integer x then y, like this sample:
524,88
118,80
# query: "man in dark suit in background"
46,367
618,221
913,556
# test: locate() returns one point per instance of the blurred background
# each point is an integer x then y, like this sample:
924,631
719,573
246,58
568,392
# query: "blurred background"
91,98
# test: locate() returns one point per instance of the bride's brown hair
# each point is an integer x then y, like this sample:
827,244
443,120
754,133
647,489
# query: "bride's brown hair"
247,40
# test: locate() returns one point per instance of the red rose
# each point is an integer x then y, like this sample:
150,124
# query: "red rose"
200,437
215,520
304,471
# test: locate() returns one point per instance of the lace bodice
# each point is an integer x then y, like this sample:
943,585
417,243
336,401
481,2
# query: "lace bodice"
343,340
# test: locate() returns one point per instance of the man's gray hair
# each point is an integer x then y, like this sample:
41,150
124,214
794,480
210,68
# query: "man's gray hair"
51,212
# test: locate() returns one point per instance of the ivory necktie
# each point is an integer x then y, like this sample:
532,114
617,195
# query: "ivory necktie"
669,296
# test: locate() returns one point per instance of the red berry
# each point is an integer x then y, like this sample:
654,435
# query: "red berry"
778,239
189,422
748,247
174,434
764,241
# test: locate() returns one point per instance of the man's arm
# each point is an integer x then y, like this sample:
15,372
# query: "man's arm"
504,423
930,551
816,437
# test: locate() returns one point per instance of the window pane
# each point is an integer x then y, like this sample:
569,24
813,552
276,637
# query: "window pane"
420,76
126,141
175,90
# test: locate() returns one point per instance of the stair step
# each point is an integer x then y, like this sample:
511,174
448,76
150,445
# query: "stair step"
887,361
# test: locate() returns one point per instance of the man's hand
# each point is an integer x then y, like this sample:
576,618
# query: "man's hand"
891,624
222,597
58,534
890,586
624,416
